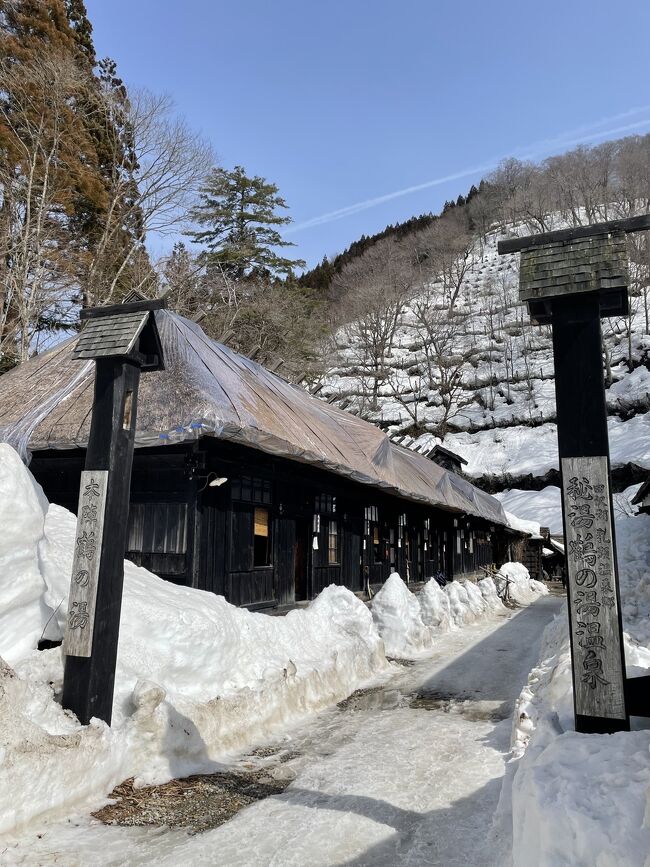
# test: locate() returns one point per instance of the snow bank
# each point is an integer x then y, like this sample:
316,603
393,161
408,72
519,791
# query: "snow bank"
23,612
489,592
435,607
582,799
47,759
521,587
196,678
398,618
410,624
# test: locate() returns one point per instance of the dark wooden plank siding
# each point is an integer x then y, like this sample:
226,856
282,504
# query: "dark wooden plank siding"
175,506
284,532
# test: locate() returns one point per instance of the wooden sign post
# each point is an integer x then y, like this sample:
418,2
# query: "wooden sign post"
124,341
570,279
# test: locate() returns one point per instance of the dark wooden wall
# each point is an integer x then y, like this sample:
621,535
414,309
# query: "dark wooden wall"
199,535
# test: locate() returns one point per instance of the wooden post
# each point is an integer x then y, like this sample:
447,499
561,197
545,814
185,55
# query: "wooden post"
572,278
593,594
123,340
89,676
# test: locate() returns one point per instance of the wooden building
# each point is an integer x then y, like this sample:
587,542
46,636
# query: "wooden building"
447,459
246,485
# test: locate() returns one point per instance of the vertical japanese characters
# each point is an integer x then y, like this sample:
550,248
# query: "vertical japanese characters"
85,566
598,674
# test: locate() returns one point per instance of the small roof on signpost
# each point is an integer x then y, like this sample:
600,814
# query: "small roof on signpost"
574,261
122,330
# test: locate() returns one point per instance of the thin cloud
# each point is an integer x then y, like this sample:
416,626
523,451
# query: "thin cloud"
581,135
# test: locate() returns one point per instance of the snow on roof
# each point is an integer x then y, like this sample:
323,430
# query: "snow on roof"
530,527
207,389
557,546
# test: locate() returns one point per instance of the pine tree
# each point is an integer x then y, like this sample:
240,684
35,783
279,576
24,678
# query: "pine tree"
82,28
239,216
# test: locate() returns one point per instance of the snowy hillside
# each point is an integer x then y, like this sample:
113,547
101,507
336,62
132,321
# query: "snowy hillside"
502,417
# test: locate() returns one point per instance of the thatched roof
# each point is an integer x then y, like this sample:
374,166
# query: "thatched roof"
207,389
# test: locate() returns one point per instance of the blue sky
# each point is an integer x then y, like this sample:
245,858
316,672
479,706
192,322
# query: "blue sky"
344,104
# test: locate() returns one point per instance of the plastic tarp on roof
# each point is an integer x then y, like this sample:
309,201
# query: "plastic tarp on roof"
207,389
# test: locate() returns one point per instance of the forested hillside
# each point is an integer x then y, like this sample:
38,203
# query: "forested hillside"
417,328
433,343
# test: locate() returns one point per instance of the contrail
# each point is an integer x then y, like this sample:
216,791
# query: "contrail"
581,135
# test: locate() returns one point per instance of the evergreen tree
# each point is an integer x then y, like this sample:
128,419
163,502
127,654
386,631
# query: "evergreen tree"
82,29
239,219
48,167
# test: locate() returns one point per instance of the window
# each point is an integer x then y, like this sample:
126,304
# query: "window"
261,539
371,513
252,490
325,504
333,543
157,528
401,532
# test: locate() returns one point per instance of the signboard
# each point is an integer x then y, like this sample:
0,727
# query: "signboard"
85,566
597,653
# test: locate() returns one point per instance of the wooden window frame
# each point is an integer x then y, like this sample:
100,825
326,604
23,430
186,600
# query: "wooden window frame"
268,564
333,523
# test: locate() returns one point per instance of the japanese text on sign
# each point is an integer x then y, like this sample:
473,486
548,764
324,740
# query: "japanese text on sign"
85,567
597,661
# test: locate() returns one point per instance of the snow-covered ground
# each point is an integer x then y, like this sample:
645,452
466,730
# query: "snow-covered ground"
408,772
197,680
384,780
583,799
544,507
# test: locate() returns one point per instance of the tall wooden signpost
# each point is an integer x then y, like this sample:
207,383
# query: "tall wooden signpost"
124,341
570,279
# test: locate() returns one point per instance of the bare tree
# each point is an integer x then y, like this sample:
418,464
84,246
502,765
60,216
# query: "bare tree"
39,175
152,184
374,289
443,334
446,251
632,176
639,256
275,322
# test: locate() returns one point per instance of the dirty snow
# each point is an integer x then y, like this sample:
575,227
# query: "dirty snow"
382,782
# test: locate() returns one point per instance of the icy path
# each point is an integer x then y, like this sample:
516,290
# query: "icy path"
389,780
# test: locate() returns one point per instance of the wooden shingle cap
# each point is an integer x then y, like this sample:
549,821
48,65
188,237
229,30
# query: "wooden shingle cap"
110,335
120,331
592,264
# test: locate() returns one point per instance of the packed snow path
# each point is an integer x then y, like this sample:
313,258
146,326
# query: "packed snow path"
406,774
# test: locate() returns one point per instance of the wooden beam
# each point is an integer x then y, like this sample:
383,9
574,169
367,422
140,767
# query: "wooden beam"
113,309
632,224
